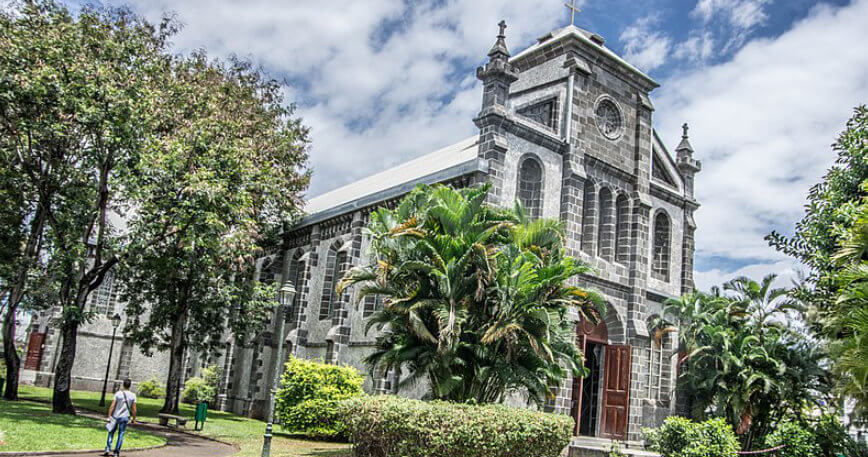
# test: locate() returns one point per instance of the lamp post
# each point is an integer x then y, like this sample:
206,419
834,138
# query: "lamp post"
284,298
116,321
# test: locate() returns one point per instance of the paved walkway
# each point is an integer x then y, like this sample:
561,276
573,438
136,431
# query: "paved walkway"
177,444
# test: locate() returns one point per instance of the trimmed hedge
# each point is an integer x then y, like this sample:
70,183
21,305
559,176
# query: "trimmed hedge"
151,389
680,437
308,397
388,426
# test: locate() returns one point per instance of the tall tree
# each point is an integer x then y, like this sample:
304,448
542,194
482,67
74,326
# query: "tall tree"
476,297
831,240
75,101
229,171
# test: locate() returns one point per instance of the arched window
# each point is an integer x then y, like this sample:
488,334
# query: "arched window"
622,227
530,183
662,247
589,208
298,275
606,226
337,264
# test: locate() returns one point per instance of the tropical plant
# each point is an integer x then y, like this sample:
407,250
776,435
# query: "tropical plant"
847,328
742,361
476,297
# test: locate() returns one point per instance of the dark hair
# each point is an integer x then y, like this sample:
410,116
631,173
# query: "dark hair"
127,383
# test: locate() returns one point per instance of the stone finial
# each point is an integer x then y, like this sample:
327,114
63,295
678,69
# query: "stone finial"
684,145
687,165
497,74
499,49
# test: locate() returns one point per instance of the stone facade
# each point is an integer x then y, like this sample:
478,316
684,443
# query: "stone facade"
626,203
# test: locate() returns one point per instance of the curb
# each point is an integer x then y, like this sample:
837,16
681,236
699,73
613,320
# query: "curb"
83,451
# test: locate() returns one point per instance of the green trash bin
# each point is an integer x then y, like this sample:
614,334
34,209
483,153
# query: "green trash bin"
201,415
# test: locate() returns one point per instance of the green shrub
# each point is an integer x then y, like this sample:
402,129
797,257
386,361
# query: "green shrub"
387,425
204,388
833,439
151,389
797,441
308,397
680,437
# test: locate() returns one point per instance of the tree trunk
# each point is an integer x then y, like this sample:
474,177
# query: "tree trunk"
176,361
13,362
61,402
15,295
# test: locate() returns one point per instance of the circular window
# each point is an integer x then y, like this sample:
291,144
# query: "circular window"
609,119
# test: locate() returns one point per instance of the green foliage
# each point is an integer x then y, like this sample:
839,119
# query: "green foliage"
388,425
743,362
197,390
832,240
681,437
308,396
833,440
476,297
797,441
151,389
204,388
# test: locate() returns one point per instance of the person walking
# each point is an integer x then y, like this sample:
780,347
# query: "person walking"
121,412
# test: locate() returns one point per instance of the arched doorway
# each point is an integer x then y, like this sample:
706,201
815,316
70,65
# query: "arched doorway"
600,400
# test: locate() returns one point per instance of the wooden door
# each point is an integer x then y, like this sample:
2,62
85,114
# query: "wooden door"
616,393
34,351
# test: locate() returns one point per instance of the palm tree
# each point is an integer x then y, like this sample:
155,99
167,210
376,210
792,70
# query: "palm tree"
476,299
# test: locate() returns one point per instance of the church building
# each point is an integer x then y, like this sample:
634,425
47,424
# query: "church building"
565,127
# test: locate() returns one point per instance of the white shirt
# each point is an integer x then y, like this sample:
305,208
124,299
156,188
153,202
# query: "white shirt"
121,409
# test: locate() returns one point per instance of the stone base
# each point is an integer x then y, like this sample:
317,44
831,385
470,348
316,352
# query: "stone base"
584,446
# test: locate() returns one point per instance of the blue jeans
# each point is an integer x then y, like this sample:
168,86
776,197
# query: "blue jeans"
120,427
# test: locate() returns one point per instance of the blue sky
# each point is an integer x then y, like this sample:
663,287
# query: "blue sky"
765,84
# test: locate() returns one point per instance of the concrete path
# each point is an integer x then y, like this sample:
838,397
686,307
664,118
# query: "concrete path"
177,444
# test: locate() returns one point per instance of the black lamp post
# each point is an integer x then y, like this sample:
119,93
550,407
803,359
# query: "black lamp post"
284,298
116,321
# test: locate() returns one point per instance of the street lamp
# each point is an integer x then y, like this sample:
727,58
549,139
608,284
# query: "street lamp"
116,321
284,298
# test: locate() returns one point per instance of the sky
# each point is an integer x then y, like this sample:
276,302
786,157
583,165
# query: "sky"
766,86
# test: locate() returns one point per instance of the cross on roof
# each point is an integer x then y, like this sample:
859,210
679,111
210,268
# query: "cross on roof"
502,25
573,10
684,129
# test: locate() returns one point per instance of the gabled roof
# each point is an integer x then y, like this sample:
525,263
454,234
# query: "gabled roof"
588,38
666,159
412,172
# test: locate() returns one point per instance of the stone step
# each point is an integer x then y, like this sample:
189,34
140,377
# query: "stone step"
585,446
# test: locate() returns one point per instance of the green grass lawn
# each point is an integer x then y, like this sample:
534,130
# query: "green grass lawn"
245,432
28,426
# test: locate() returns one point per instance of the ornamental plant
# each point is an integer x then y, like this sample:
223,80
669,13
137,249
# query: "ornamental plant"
797,441
681,437
388,425
308,397
477,297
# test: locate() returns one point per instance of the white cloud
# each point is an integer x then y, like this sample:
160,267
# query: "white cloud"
789,273
740,17
697,47
645,47
762,124
740,14
378,78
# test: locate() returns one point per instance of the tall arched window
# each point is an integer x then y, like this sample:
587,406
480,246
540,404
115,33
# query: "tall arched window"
662,247
337,263
298,275
589,209
622,228
606,226
530,183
